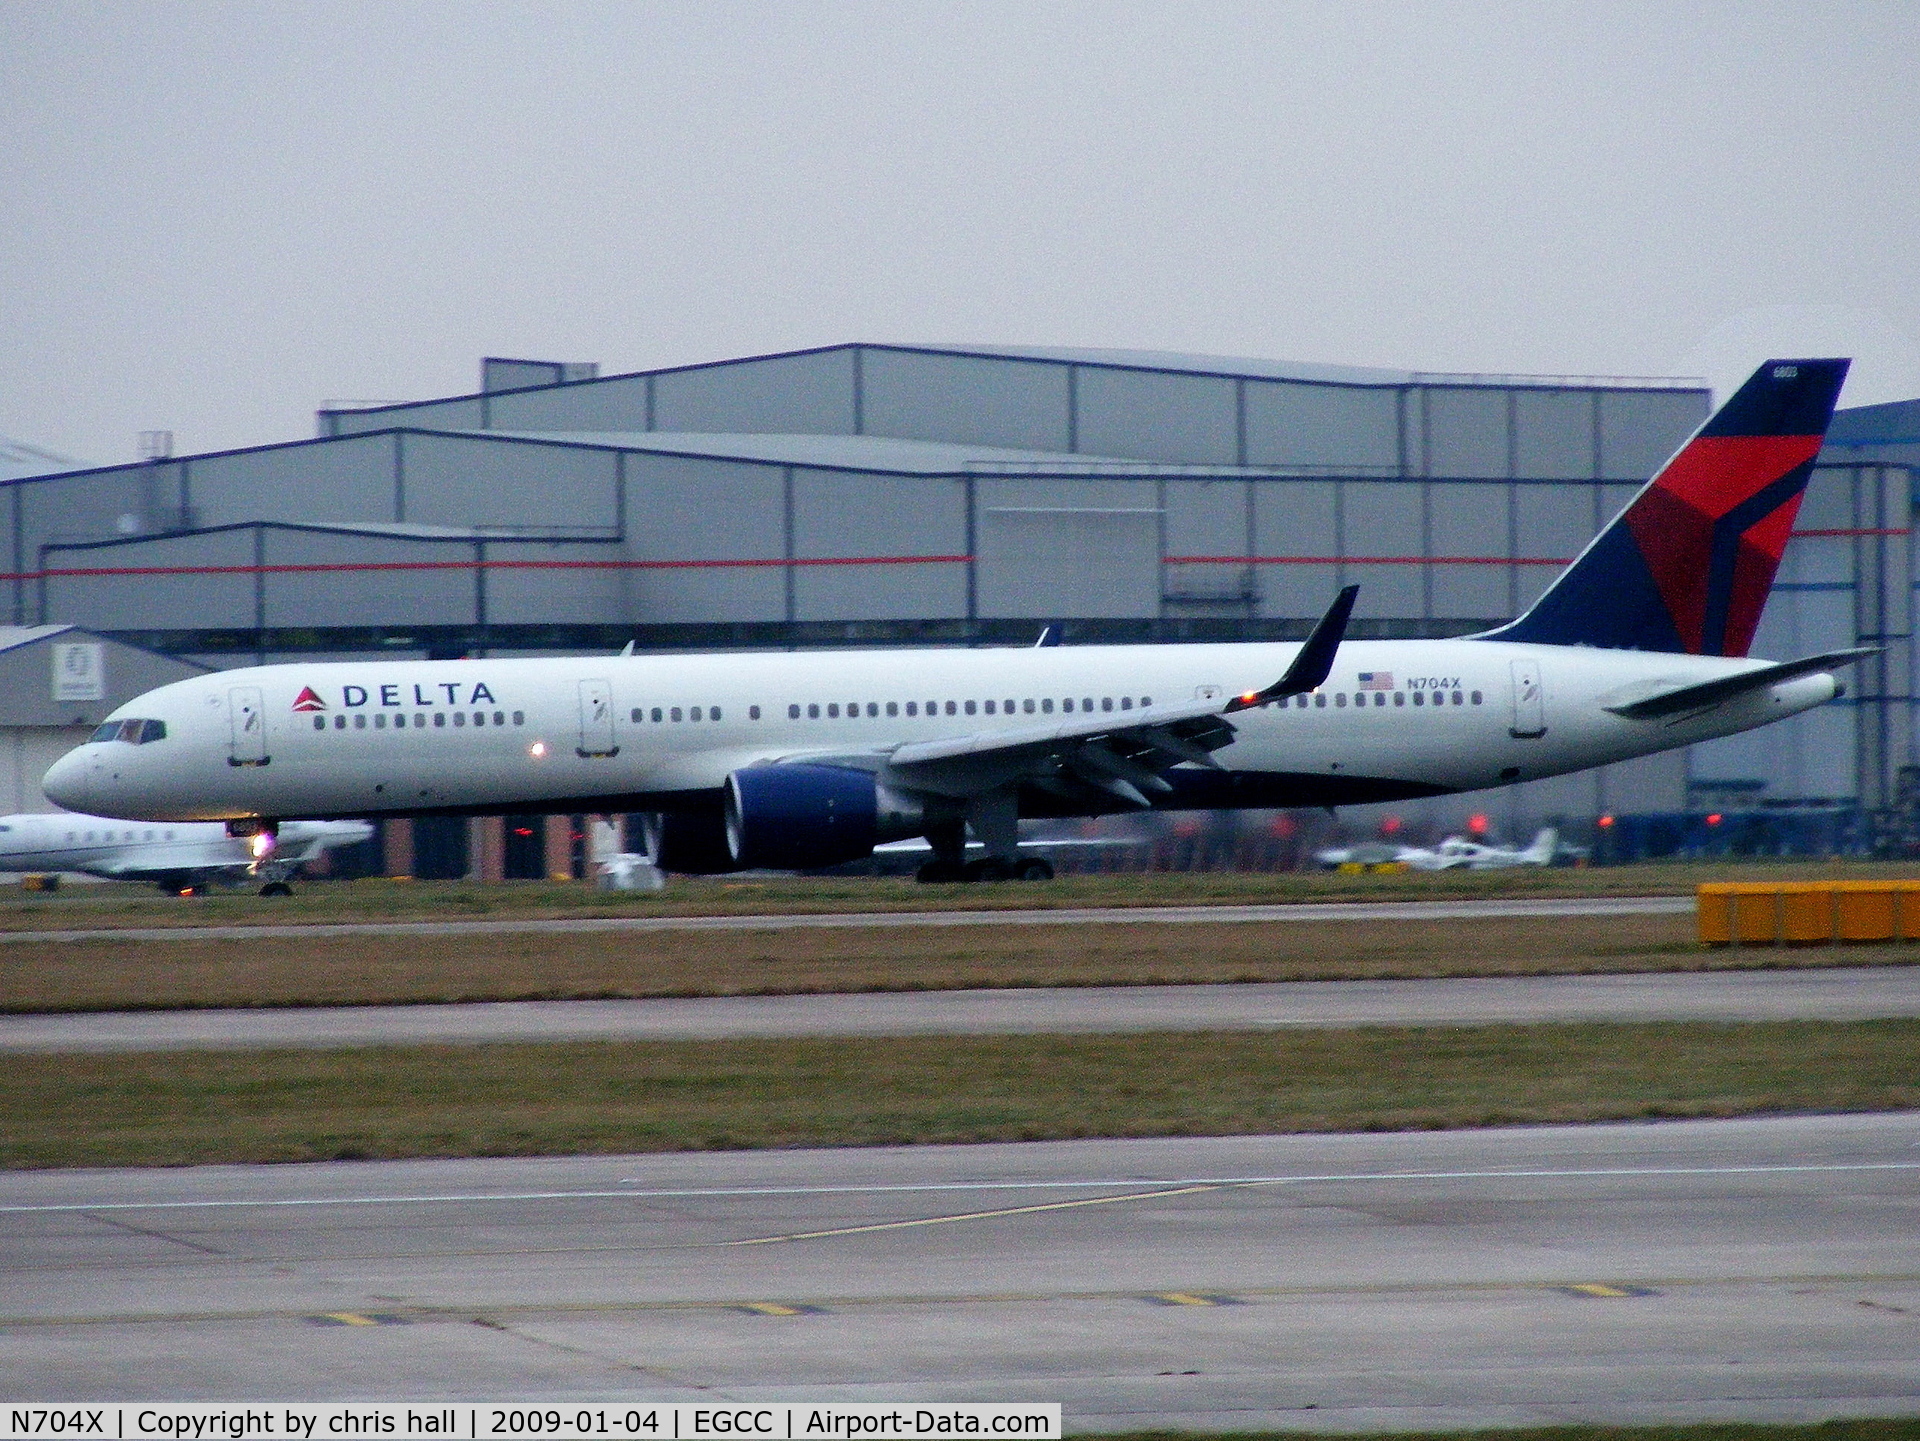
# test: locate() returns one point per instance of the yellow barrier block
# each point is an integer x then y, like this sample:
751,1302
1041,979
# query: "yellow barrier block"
1806,915
1714,915
1807,912
1866,915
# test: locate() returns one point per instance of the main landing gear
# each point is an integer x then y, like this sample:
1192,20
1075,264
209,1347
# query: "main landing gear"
991,868
993,819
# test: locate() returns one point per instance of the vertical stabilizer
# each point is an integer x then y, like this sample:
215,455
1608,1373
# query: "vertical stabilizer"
1686,567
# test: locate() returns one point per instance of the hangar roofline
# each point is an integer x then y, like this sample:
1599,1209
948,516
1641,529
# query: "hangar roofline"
1150,362
694,445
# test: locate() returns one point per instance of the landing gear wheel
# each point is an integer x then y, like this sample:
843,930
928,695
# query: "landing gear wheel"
940,873
1036,870
990,869
276,888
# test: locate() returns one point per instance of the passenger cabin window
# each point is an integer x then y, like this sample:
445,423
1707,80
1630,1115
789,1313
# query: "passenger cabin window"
636,715
793,712
753,712
893,707
972,707
658,715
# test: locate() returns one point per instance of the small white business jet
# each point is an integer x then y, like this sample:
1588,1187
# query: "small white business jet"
805,760
177,856
1455,853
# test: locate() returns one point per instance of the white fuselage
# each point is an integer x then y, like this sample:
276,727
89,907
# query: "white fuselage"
354,738
117,849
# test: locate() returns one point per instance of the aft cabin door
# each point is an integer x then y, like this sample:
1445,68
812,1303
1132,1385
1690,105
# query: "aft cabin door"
596,719
1529,707
248,727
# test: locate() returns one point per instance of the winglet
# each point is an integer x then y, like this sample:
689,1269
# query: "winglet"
1049,635
627,650
1314,662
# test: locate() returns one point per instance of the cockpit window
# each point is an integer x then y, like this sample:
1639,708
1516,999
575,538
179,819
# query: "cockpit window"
133,732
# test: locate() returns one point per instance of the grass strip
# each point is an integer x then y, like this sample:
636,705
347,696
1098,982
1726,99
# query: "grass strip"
390,970
378,899
222,1106
1859,1429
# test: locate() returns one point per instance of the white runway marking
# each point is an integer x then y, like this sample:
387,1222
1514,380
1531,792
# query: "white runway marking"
1185,1182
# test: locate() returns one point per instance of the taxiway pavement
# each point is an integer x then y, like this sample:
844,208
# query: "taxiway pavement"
1759,1268
894,920
1839,993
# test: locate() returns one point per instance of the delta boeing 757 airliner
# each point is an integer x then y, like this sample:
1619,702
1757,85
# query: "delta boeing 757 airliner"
805,760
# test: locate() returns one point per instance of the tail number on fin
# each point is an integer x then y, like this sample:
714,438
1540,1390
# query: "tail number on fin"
1529,706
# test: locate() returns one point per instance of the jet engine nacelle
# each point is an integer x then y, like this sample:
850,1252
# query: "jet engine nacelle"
688,843
805,817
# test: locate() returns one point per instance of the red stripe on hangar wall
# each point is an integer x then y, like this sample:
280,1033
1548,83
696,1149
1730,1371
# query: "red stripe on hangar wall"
368,566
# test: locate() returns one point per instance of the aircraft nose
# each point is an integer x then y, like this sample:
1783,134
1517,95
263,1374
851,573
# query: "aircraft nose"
68,782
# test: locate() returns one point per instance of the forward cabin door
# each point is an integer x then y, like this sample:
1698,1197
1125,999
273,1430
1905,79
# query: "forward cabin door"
1529,706
248,727
596,719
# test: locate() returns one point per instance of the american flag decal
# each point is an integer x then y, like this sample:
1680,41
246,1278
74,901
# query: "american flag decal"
1376,680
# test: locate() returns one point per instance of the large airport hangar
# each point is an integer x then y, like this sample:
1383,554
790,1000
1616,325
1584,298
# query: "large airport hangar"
886,494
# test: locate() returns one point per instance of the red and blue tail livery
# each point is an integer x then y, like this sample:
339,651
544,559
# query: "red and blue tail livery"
1687,566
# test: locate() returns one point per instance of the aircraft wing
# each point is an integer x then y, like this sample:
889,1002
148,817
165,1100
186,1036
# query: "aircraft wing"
1681,699
149,860
1120,753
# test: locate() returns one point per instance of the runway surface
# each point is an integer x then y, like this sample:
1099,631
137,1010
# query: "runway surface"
891,920
1850,993
1763,1269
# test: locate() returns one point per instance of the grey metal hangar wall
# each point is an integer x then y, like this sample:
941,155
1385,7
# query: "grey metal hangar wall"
899,491
872,494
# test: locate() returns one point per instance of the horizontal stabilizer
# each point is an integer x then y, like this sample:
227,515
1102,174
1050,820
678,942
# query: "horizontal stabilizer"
1702,694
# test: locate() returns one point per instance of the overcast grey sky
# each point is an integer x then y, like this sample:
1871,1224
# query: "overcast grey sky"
219,216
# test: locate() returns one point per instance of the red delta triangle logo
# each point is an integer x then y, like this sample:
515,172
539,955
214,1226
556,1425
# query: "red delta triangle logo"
308,699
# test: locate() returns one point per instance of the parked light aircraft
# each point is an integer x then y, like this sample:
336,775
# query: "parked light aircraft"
1452,854
809,759
177,856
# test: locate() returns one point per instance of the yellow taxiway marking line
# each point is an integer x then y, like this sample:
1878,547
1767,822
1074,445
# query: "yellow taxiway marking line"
771,1308
1183,1298
1594,1288
349,1318
969,1216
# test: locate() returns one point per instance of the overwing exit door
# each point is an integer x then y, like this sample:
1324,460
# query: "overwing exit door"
596,719
247,727
1529,706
